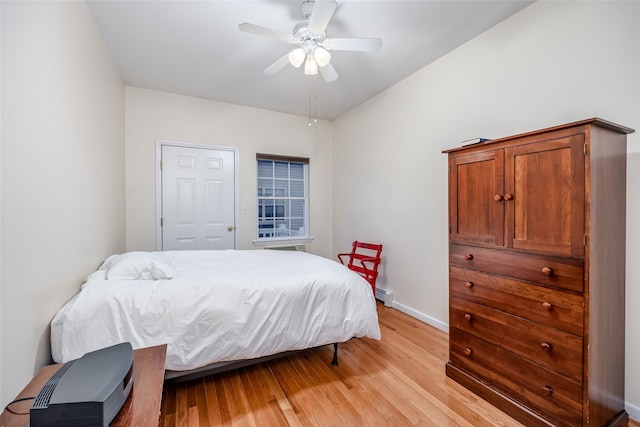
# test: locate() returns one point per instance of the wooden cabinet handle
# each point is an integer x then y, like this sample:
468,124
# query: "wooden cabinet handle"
547,306
468,285
546,346
547,390
468,257
547,271
468,317
468,351
498,198
508,196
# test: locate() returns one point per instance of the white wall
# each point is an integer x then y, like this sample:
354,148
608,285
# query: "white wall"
1,400
62,172
152,115
552,63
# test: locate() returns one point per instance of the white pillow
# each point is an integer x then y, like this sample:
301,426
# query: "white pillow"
100,274
139,266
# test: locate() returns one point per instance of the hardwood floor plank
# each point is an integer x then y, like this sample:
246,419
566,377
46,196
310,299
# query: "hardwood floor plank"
279,397
182,408
211,394
201,403
370,377
321,378
363,405
244,416
302,399
169,420
258,402
397,381
193,417
223,397
168,407
338,394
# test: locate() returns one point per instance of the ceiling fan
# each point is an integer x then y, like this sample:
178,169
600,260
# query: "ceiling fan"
312,43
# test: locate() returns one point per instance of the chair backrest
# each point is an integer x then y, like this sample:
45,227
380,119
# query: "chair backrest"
364,259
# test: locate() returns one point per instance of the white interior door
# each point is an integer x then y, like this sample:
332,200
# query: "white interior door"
198,198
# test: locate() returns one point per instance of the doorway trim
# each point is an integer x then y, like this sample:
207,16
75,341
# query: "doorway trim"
236,190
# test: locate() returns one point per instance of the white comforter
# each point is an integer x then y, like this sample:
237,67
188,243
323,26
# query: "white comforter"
220,306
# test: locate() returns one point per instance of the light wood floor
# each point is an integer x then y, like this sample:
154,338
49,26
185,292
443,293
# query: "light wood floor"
397,381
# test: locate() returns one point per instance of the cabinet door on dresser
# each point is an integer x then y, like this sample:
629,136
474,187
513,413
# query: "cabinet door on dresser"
544,196
474,181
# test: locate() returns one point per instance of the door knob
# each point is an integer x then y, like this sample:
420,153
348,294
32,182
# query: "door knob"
230,228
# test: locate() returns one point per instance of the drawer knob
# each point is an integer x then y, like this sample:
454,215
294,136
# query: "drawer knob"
547,271
468,285
547,306
468,257
468,351
508,196
547,390
498,198
468,317
546,346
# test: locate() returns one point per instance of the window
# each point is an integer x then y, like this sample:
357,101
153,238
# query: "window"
282,198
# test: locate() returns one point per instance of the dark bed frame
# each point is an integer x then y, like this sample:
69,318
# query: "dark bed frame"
219,367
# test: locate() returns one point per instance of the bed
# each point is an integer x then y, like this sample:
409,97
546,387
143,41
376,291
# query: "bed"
217,307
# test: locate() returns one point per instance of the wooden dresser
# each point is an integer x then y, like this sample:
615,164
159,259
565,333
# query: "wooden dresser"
537,273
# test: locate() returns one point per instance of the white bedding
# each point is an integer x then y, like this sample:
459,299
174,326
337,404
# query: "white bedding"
219,306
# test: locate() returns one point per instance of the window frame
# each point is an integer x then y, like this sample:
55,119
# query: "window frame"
285,204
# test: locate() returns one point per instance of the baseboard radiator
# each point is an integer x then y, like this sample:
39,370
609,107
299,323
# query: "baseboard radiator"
300,247
385,296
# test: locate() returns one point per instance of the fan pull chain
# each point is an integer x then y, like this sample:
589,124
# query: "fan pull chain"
312,90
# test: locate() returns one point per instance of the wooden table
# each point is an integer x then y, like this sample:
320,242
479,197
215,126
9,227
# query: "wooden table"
142,407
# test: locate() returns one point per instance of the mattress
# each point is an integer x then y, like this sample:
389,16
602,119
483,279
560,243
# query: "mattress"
215,306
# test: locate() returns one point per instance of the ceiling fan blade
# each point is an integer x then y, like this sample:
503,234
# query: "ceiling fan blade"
266,32
353,44
329,73
321,14
277,66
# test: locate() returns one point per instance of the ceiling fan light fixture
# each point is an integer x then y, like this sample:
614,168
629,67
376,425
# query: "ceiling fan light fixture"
311,43
322,56
310,66
297,57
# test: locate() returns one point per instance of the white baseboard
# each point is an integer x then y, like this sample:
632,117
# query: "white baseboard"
422,317
633,411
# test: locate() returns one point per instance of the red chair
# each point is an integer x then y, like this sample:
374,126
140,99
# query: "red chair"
364,259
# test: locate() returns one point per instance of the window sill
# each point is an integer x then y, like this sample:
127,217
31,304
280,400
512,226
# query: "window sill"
282,242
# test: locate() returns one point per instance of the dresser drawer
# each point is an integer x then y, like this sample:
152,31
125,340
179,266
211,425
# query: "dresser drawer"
552,395
543,345
553,271
552,307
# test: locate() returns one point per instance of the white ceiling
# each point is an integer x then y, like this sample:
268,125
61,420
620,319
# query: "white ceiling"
195,47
